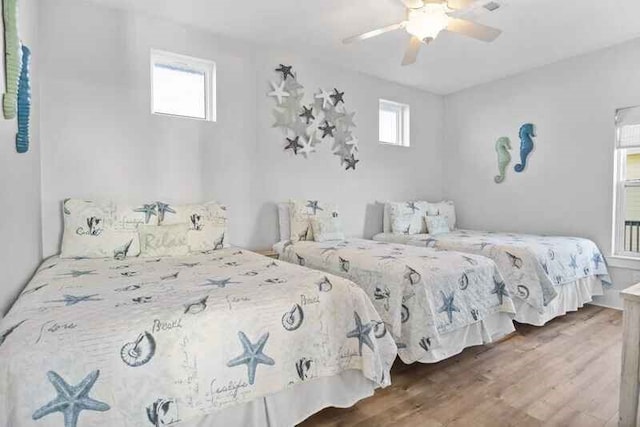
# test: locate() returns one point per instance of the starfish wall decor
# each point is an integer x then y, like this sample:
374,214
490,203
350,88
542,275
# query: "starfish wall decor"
306,126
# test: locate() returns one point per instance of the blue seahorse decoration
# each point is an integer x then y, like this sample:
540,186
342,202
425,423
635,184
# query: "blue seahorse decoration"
527,132
24,103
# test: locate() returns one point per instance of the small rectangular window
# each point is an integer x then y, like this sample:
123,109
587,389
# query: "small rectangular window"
182,86
393,123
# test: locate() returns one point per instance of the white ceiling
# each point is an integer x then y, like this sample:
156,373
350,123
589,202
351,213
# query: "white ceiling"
536,32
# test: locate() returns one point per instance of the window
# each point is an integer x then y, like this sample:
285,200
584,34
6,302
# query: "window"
627,193
393,123
182,86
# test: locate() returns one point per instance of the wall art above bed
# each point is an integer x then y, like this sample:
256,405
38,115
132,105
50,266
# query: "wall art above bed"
305,126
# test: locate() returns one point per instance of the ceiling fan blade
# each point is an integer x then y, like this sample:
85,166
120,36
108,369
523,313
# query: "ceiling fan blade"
473,29
413,4
459,4
374,33
412,51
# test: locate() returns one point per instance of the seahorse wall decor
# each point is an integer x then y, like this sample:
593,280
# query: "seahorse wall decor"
527,133
503,145
24,103
11,57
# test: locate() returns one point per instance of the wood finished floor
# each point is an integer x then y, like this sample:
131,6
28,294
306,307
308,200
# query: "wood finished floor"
563,374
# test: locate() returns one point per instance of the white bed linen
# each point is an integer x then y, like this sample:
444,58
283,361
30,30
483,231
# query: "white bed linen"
170,329
544,273
409,287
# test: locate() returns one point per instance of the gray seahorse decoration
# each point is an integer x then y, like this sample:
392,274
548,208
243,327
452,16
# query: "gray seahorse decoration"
503,145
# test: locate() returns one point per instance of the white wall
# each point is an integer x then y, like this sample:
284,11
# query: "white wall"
20,227
567,186
99,139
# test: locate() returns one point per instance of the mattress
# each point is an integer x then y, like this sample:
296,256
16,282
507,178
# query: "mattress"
536,269
215,337
424,296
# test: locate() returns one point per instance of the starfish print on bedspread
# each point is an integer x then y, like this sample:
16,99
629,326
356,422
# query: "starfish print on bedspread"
148,210
78,273
73,300
500,289
71,399
448,306
252,355
361,332
164,208
221,283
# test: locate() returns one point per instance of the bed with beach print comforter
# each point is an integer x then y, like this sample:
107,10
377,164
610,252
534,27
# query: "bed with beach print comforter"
420,293
136,342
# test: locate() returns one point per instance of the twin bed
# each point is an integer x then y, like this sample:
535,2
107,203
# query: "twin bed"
220,335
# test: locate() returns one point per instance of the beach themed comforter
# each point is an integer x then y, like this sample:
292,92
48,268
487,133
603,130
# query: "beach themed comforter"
532,266
420,293
137,342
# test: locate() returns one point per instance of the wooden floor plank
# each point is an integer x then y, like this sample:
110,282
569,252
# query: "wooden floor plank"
563,374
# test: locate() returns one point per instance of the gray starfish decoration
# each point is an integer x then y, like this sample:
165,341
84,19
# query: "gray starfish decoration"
327,129
346,120
351,162
293,144
500,289
337,97
307,114
148,210
361,332
313,204
71,399
164,208
448,306
73,300
252,355
78,273
285,70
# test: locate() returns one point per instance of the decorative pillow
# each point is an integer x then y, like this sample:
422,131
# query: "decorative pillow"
445,208
437,224
327,228
301,212
167,240
102,229
207,224
407,217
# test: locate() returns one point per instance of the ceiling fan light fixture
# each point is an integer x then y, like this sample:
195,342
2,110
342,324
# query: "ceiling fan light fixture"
427,22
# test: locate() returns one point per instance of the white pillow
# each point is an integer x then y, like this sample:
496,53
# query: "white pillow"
207,224
284,222
445,208
103,229
408,217
437,224
301,212
327,228
166,240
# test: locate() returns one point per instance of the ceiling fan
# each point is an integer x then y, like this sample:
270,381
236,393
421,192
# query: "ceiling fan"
425,20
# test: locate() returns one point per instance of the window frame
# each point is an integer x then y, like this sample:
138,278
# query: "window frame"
403,123
620,200
189,62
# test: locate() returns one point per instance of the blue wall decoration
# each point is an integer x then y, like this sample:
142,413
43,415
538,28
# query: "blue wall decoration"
11,57
503,145
24,103
527,133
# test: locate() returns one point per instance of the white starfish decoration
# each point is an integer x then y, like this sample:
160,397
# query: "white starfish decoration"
278,91
307,148
326,99
353,143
